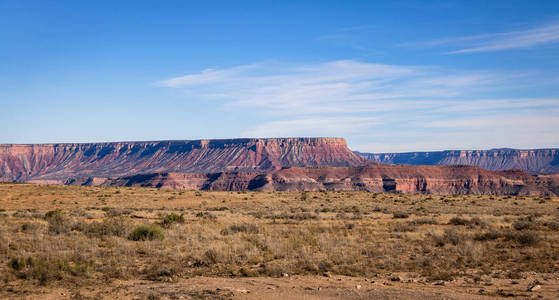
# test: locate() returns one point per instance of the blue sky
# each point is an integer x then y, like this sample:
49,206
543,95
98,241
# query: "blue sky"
387,76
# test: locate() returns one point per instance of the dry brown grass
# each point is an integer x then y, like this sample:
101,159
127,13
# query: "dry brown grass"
56,235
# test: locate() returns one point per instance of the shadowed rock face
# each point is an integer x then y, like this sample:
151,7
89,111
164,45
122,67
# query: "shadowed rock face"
261,164
535,161
51,163
374,178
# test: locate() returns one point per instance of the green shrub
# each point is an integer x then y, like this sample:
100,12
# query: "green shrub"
146,233
172,218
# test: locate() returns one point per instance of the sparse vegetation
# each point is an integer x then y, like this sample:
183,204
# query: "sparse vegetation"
401,215
171,219
146,233
58,222
113,226
245,228
476,221
138,234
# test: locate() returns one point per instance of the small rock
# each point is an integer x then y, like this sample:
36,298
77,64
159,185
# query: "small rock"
326,274
395,278
320,289
285,275
242,291
534,288
440,283
358,287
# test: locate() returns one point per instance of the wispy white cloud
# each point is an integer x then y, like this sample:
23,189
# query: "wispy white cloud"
372,102
344,86
206,76
519,39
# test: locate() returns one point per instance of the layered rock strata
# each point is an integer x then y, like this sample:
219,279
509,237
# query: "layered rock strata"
57,162
374,178
535,161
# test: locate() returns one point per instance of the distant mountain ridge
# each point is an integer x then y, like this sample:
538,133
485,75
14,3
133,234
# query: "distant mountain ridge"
58,162
534,160
277,164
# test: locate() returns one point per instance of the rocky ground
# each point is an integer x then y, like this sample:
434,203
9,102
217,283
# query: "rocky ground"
290,287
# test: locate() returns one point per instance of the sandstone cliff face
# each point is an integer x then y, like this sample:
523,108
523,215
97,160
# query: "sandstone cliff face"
57,162
535,161
374,178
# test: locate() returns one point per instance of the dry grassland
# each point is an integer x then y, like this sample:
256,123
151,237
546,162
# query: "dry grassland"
142,243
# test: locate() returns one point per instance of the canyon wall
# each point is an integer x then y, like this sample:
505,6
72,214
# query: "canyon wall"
49,163
277,164
535,161
373,178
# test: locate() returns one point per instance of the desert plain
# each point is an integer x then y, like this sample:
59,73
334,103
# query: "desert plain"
82,242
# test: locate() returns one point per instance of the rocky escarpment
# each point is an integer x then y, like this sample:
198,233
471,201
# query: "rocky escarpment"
50,163
535,161
373,178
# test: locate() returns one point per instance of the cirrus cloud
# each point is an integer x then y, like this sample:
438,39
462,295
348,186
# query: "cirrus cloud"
545,34
367,102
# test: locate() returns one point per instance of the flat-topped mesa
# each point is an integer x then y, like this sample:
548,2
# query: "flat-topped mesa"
534,160
62,161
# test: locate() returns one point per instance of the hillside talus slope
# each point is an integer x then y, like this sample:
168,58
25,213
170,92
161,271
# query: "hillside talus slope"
52,163
373,178
536,161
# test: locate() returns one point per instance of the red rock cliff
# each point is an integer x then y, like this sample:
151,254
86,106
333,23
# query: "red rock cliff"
375,178
52,162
